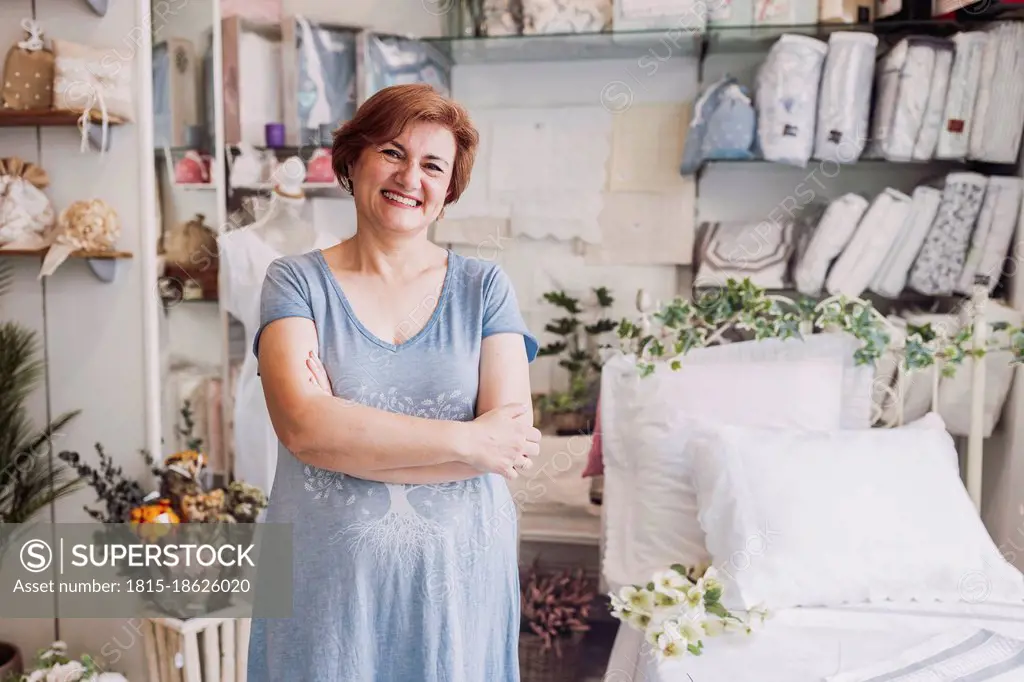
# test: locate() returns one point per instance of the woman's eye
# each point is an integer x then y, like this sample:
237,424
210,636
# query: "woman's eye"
434,167
392,153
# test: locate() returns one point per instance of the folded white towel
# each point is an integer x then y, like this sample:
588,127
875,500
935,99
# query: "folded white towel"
962,654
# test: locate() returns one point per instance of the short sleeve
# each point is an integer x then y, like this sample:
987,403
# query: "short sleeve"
501,310
285,293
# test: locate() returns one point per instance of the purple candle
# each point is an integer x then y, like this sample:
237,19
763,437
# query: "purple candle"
275,134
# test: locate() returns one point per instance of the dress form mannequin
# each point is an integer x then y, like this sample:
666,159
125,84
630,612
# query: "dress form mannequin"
245,254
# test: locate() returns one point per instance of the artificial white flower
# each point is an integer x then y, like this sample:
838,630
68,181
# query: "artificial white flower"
37,676
670,647
637,600
713,627
670,583
639,620
694,597
71,671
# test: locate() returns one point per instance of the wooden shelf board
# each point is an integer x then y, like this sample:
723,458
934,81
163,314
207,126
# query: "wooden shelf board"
105,255
11,118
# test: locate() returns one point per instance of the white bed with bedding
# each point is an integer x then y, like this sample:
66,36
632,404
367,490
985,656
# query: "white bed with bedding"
820,644
760,458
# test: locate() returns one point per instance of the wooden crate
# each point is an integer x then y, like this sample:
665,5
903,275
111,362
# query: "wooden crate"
211,649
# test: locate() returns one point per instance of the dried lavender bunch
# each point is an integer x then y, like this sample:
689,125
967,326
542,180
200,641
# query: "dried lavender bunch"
118,494
556,605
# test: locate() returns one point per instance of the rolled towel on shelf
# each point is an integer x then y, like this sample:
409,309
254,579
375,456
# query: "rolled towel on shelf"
856,267
891,278
830,237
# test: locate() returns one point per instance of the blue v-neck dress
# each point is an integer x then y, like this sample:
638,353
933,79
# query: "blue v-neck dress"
395,583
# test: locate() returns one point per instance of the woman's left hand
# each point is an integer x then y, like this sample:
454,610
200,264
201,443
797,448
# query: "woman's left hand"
318,374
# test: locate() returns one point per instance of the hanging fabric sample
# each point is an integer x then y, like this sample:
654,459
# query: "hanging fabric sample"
787,87
891,278
961,95
941,260
856,267
990,243
999,113
724,126
935,108
830,237
393,60
845,100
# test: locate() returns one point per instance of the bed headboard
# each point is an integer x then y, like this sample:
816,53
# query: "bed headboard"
663,334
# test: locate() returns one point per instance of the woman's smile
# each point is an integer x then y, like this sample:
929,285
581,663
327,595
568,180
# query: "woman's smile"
400,200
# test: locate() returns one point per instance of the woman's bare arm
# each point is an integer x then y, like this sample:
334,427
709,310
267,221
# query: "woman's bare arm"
340,435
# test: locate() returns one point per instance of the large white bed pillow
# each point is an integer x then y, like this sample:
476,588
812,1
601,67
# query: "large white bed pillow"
798,518
649,503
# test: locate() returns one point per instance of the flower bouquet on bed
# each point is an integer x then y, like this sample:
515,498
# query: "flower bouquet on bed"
679,608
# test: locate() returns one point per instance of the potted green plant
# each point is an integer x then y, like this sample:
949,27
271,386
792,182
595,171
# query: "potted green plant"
572,411
30,479
554,609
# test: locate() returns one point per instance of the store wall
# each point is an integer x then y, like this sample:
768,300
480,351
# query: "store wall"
413,17
93,331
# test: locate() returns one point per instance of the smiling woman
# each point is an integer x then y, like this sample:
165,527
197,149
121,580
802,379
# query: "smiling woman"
396,377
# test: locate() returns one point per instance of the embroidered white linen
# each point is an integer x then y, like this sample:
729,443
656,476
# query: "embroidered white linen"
797,518
963,654
650,507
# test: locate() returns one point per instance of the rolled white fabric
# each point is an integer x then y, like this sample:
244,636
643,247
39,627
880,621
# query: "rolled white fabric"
833,233
1001,118
891,278
915,79
859,262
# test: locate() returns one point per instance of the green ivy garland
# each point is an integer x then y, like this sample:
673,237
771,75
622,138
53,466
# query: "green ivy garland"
683,325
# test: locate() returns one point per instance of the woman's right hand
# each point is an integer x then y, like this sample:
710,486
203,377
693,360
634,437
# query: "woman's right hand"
502,441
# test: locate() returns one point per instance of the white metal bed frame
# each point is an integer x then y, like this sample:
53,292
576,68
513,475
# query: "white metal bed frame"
977,320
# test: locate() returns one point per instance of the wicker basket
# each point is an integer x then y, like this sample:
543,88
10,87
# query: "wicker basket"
539,665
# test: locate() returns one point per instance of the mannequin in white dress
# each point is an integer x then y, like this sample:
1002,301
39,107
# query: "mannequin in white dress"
245,254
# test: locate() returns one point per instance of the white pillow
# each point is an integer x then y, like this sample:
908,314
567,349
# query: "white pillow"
858,380
650,506
797,518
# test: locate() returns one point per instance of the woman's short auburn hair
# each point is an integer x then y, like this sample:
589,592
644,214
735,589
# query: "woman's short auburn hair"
385,115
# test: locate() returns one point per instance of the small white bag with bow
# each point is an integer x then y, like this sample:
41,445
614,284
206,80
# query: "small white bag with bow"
95,82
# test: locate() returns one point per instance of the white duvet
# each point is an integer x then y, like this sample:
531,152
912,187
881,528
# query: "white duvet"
812,644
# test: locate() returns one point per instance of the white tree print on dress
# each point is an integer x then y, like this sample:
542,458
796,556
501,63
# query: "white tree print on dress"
402,534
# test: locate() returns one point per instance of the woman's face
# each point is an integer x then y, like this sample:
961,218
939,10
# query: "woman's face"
402,184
